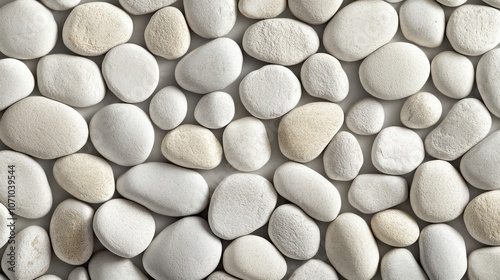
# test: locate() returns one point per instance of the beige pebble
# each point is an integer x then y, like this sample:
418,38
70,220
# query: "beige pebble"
482,218
395,228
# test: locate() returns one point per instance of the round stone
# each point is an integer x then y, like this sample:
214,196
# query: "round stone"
395,228
261,9
421,110
144,7
423,22
220,275
343,157
366,117
60,5
102,263
215,110
481,218
211,19
168,108
451,3
481,263
488,81
401,264
453,74
79,273
314,269
314,12
16,82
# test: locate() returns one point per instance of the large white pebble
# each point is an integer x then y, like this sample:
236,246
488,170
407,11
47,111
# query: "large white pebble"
467,123
71,231
270,92
395,228
451,3
482,263
215,110
105,265
421,110
145,6
343,157
197,251
314,12
422,22
359,29
240,259
366,117
211,19
122,133
168,108
314,269
442,252
79,273
60,5
488,80
6,229
351,247
210,67
261,9
320,200
482,218
400,264
220,275
281,41
479,165
16,82
452,74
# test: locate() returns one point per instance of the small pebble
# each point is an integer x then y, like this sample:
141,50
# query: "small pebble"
215,110
343,157
452,74
481,218
366,117
482,263
60,5
79,273
400,264
488,80
314,12
220,275
168,108
422,22
211,19
421,110
452,3
105,265
395,228
145,6
314,269
261,9
16,82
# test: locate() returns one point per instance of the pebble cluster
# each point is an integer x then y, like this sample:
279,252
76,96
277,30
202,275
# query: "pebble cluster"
270,139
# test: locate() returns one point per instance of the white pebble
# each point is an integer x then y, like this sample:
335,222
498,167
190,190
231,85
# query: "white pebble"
452,3
482,263
395,228
49,277
5,228
105,265
452,74
168,108
314,12
366,117
421,110
60,5
488,80
220,275
211,19
481,218
343,157
215,110
493,3
400,264
79,273
16,82
423,22
261,9
314,269
145,6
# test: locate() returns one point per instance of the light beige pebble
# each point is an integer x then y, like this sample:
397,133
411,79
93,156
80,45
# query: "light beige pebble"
343,157
314,269
144,6
493,3
16,82
488,82
6,230
168,108
314,12
79,273
422,22
49,277
220,275
421,110
400,264
105,265
451,3
395,228
481,263
261,9
60,5
452,74
211,19
215,110
482,218
366,117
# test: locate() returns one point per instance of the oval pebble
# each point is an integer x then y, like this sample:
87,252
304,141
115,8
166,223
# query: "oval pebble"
215,110
351,34
467,123
353,260
105,265
451,3
343,157
366,117
220,275
49,277
314,269
122,133
488,82
270,92
395,228
482,263
197,251
422,22
261,9
452,74
71,232
481,218
5,229
401,264
168,108
60,5
16,82
321,200
211,19
421,110
281,41
79,273
314,12
144,7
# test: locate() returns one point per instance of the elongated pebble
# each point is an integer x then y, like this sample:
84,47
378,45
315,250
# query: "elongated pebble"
481,263
215,110
481,218
105,265
16,82
79,273
488,82
479,164
343,157
366,117
144,7
220,275
313,12
401,264
168,108
421,110
395,228
423,22
452,74
5,229
314,269
60,5
211,19
261,9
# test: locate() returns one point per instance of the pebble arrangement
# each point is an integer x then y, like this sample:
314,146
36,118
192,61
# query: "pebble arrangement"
271,139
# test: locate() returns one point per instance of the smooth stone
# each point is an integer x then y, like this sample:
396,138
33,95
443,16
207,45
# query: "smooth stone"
481,218
210,67
482,263
395,228
322,76
343,157
220,275
79,273
314,269
163,179
314,12
261,9
70,79
60,5
397,151
124,227
16,82
172,44
5,218
281,41
240,204
246,144
168,108
473,29
197,251
71,232
320,200
353,260
105,265
451,3
92,29
295,234
487,80
215,110
145,6
131,80
240,259
452,74
366,117
422,22
33,195
400,264
211,19
305,131
493,3
351,34
270,92
28,30
371,193
49,277
442,252
438,193
395,71
467,123
122,133
43,128
421,110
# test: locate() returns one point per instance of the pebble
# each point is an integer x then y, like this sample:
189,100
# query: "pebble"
482,263
442,252
452,74
240,204
488,82
210,67
163,179
124,227
122,133
343,157
270,92
322,76
314,12
395,71
473,29
438,193
371,193
105,265
294,233
197,251
261,9
34,34
220,275
73,80
422,22
305,131
215,110
71,232
351,247
493,3
205,150
48,277
60,5
320,200
5,230
452,3
397,151
359,29
144,7
79,273
481,218
281,41
168,108
314,269
211,19
240,259
421,110
400,264
395,228
172,44
366,117
16,82
467,123
246,144
131,80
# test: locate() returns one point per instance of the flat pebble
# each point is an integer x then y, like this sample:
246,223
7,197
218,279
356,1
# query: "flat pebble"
423,22
320,200
261,9
282,41
122,133
16,82
452,74
314,12
105,265
395,228
211,19
482,263
481,218
168,108
79,273
401,264
144,7
60,5
197,251
366,117
421,110
5,229
371,193
215,110
488,81
220,275
270,92
343,157
351,247
314,269
351,36
451,3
